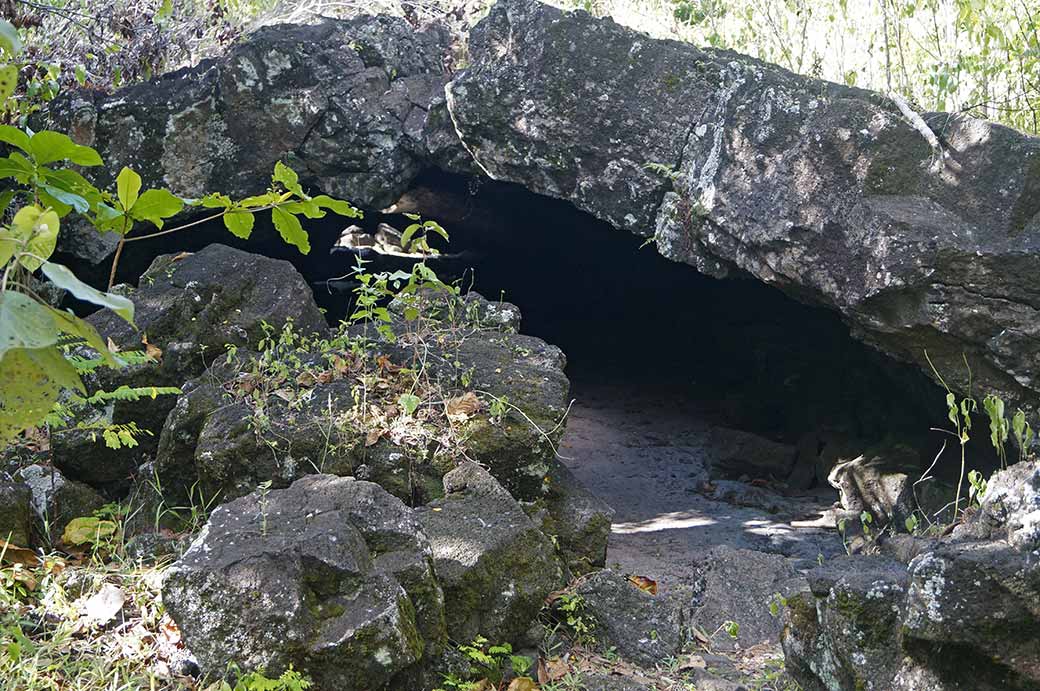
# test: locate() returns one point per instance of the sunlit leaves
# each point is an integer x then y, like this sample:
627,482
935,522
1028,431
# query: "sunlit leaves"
38,230
63,278
31,379
10,41
288,226
156,205
287,178
239,223
24,323
128,187
49,146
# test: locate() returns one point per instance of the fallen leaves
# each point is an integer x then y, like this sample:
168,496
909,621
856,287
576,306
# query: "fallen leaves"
101,607
153,352
11,553
461,408
643,583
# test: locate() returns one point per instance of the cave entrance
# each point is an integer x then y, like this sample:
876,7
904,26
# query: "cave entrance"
688,388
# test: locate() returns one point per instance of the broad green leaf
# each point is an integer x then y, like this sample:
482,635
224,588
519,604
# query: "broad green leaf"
63,278
5,200
288,178
409,403
8,82
15,137
69,199
240,223
48,146
24,323
164,11
337,206
128,188
39,228
16,166
31,379
155,205
8,245
108,219
409,232
9,38
71,181
87,530
307,207
288,226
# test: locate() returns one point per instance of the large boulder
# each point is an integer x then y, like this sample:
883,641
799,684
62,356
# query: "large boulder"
884,623
494,564
15,513
232,429
332,575
742,585
56,499
643,628
344,102
923,231
191,307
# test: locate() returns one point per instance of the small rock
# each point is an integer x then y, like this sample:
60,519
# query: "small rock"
15,513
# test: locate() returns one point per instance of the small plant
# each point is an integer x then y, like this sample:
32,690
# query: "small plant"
289,680
490,665
580,624
977,487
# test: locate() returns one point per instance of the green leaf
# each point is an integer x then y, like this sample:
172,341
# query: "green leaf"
71,181
16,166
215,200
8,245
108,219
70,199
260,200
31,379
15,137
39,230
48,146
87,530
155,205
10,40
409,232
288,178
128,188
5,201
288,226
239,223
8,82
63,278
338,206
24,323
409,403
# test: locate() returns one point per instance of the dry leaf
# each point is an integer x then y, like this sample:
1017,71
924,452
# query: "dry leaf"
373,436
181,256
103,606
523,684
112,347
462,407
305,378
554,669
643,583
152,351
16,555
23,576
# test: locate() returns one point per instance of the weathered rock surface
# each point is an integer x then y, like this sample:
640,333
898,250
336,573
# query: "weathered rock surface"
828,192
495,566
344,102
191,308
739,585
738,453
56,500
644,628
579,519
1010,508
15,513
332,575
962,614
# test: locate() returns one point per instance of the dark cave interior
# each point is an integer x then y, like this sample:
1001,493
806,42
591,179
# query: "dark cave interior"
748,355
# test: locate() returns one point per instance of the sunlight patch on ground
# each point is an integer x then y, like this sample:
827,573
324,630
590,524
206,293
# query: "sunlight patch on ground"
676,520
